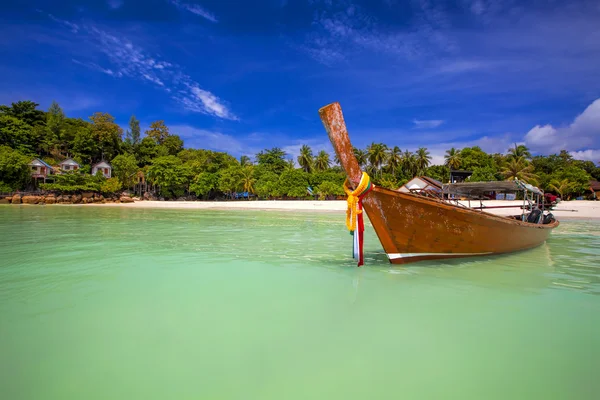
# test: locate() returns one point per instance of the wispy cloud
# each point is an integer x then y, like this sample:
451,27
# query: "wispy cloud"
96,67
129,60
427,123
115,4
345,27
72,26
195,9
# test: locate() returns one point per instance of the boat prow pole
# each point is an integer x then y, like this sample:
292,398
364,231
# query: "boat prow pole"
333,120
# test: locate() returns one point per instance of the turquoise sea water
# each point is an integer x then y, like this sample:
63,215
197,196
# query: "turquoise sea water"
116,303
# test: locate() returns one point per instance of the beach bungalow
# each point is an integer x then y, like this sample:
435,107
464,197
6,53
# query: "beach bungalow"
40,169
103,167
69,165
422,184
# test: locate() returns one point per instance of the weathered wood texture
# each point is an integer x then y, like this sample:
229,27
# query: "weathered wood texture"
414,228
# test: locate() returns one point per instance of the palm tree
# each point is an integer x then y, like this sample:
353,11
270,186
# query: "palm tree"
519,168
519,151
322,161
453,158
361,156
408,163
377,155
560,186
245,160
248,180
423,159
305,159
565,156
290,165
394,159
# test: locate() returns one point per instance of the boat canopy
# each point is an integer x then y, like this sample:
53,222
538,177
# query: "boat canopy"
479,188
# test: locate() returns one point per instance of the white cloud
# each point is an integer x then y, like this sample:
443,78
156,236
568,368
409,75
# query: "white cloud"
205,102
132,61
578,137
115,4
587,155
195,9
427,123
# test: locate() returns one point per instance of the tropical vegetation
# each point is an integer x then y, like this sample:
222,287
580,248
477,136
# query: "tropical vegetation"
26,132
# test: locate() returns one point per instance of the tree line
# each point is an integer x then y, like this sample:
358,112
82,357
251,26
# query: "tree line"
27,132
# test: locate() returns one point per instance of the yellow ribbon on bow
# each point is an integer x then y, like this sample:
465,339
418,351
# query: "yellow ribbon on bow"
353,199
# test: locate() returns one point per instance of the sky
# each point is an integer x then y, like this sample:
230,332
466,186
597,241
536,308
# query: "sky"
241,75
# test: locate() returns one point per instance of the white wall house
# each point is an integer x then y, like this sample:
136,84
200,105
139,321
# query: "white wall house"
40,169
69,165
103,167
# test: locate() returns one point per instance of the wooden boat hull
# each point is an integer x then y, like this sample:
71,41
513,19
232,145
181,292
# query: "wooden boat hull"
415,228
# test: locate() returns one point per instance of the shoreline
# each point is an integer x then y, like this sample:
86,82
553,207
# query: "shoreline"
579,209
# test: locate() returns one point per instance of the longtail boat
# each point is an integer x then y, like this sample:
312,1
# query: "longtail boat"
416,227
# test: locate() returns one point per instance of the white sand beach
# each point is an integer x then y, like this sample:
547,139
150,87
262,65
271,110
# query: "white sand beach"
564,210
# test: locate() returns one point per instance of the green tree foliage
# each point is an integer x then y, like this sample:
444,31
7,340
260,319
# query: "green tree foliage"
438,172
453,159
17,134
362,156
85,145
272,160
422,160
173,144
474,157
577,179
169,174
148,150
124,168
132,136
107,133
519,168
322,161
519,151
204,184
294,183
230,180
305,159
111,185
158,131
71,182
377,156
14,168
394,160
55,119
26,132
268,185
245,160
25,111
483,174
328,188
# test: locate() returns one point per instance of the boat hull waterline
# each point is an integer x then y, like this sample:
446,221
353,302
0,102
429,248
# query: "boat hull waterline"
415,228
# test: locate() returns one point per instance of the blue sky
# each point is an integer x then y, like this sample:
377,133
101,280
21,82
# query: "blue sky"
243,75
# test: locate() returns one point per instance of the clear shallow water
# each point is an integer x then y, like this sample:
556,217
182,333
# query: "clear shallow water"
111,303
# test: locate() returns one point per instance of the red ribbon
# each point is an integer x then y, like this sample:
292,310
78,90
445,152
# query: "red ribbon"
360,227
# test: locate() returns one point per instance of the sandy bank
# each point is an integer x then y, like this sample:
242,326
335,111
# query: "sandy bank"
564,210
